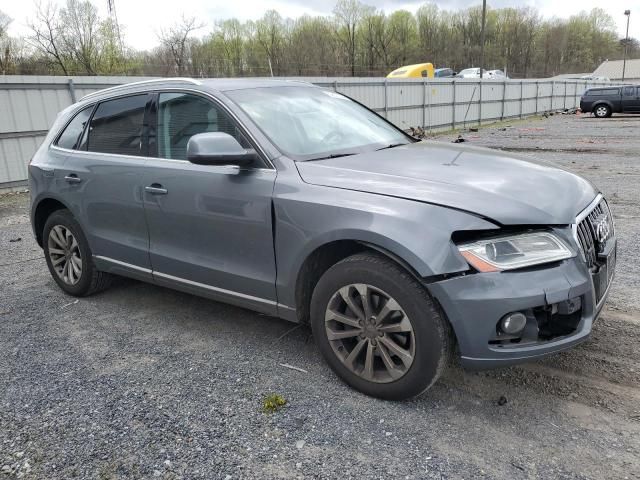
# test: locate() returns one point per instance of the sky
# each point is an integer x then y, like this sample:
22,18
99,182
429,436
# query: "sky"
142,19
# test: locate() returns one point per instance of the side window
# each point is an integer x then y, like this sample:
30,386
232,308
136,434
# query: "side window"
424,73
116,127
70,137
628,91
181,116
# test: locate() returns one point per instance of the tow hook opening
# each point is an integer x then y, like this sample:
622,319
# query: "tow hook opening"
538,324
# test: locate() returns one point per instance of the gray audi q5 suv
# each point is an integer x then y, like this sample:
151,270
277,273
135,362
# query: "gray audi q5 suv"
298,202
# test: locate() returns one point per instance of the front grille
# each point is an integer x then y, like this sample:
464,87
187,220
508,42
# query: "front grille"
594,231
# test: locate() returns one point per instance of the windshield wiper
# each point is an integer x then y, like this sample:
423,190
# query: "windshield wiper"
333,155
393,145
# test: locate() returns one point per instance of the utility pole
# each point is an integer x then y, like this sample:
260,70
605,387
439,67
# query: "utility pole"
484,17
111,5
626,44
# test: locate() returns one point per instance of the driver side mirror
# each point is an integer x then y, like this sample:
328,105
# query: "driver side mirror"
218,148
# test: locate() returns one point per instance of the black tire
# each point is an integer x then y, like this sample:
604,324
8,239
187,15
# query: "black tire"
90,280
432,335
602,111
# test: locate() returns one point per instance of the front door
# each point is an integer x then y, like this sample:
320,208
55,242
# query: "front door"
103,176
210,227
631,99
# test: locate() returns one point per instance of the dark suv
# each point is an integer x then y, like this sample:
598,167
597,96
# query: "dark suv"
604,101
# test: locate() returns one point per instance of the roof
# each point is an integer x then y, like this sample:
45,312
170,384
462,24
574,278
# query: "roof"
571,76
613,69
220,84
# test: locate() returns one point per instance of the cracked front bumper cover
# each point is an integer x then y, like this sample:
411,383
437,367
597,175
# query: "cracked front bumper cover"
474,304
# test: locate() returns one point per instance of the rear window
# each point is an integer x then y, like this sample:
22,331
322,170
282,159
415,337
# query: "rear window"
70,137
602,91
116,127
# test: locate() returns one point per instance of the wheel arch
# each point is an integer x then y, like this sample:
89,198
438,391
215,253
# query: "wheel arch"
323,257
597,103
43,210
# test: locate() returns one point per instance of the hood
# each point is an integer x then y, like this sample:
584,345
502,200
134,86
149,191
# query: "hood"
489,183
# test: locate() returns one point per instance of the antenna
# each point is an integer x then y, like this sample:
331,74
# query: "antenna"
111,5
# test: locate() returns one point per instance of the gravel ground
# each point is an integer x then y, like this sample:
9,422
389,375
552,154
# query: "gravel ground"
142,382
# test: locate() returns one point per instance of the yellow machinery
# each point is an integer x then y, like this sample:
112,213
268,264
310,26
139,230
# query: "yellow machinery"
413,71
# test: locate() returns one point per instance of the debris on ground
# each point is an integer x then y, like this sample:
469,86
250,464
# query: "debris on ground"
298,369
460,139
69,304
473,129
273,402
13,240
418,132
502,401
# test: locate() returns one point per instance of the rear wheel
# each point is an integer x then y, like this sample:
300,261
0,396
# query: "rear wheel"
602,111
378,328
69,257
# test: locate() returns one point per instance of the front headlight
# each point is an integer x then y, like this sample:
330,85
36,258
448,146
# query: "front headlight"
514,251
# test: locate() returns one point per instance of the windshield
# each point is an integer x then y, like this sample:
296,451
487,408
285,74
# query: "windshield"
468,71
309,123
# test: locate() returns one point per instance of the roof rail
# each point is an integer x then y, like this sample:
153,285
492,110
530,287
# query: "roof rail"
141,82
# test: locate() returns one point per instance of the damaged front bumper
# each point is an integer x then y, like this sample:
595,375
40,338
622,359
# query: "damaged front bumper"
559,302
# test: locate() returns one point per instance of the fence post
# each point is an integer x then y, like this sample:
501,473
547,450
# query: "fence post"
564,102
424,101
480,104
537,94
453,111
521,94
504,98
553,93
335,85
72,90
386,108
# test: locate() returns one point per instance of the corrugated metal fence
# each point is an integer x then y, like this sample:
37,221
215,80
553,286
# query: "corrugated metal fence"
29,105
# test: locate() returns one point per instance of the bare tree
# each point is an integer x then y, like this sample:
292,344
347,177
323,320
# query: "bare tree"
80,34
46,35
175,40
348,14
5,42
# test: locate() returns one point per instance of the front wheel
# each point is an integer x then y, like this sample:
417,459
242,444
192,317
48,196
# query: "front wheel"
69,257
602,111
378,328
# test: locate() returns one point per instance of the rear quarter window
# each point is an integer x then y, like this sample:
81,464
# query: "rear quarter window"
603,91
71,136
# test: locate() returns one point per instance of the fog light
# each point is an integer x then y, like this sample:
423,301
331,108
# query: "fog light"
513,323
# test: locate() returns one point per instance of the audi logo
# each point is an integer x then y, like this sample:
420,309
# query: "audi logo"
602,228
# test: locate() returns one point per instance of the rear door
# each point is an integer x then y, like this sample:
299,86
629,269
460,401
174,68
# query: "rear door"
103,176
210,227
631,99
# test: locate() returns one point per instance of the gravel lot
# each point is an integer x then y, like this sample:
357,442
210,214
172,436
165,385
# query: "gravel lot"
141,381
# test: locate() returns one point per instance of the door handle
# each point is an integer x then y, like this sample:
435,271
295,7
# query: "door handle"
156,189
72,178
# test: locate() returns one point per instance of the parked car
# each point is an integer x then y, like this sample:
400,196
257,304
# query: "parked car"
605,101
300,203
444,73
470,73
488,74
418,70
497,74
596,78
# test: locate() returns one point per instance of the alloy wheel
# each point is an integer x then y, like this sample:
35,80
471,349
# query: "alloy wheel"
601,111
64,253
370,333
